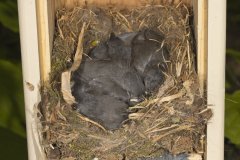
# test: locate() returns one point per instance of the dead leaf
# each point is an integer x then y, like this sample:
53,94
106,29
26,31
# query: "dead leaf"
79,52
66,88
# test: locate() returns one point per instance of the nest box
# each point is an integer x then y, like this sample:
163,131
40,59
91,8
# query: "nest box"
37,23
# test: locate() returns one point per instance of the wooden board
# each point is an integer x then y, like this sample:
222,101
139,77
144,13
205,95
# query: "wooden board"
118,3
45,27
201,30
31,74
216,77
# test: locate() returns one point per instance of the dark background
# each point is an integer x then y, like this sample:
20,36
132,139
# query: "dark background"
13,145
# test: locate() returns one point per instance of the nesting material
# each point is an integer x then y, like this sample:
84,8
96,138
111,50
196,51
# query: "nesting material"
173,120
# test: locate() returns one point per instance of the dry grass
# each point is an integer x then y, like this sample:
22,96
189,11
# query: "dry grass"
173,120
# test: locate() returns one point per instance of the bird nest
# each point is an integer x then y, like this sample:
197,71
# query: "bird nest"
171,121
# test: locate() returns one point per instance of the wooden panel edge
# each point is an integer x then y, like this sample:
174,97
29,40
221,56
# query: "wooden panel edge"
119,3
202,43
216,77
43,27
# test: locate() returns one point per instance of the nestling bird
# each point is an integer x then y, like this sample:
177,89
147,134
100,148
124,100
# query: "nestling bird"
147,55
119,71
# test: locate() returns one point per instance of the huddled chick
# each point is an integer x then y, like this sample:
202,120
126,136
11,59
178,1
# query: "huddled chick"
117,75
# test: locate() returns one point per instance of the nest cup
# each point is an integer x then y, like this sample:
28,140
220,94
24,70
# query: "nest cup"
172,121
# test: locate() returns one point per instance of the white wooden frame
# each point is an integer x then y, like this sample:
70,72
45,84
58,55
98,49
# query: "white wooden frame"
210,30
31,73
216,77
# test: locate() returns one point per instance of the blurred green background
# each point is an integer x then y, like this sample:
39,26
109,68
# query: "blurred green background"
13,144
